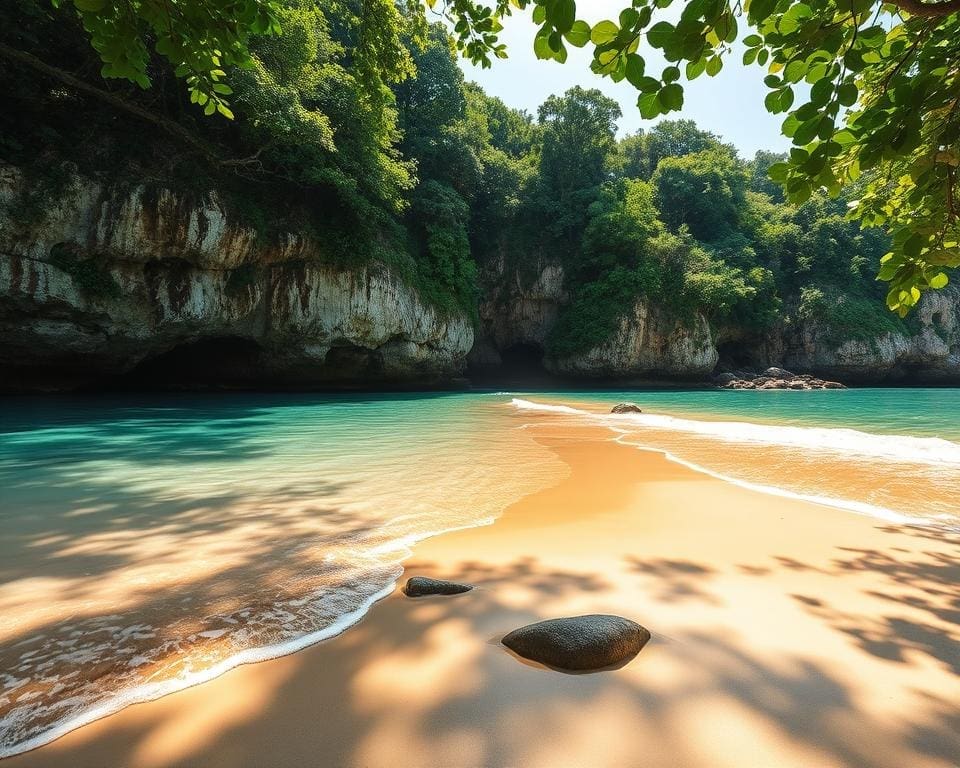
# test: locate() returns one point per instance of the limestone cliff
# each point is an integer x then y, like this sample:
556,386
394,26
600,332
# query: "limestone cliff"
149,287
108,282
648,343
929,353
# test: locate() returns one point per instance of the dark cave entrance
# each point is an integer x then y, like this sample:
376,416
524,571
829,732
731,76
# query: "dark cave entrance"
226,361
523,364
736,356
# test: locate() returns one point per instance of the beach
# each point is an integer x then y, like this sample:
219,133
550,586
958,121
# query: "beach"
785,633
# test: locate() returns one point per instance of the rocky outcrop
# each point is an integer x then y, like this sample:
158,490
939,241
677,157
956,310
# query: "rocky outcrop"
773,378
107,283
421,586
647,343
626,408
580,642
930,353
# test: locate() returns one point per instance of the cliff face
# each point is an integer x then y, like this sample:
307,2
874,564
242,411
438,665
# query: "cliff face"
647,343
930,354
104,284
650,342
163,290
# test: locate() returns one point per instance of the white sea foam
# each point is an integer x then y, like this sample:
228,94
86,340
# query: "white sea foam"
921,450
683,441
151,691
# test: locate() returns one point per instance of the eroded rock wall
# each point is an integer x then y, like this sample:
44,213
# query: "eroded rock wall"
106,281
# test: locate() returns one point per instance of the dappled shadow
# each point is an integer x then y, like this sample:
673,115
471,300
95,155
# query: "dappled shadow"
674,581
915,583
426,683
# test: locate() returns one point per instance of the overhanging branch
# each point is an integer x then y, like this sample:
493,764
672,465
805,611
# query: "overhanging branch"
918,8
171,127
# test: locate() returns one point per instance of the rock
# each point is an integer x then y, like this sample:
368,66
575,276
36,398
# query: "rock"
193,291
649,340
833,385
579,642
625,408
724,379
773,384
798,385
778,373
420,586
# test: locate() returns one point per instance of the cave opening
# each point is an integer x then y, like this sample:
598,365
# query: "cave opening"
735,356
224,361
522,363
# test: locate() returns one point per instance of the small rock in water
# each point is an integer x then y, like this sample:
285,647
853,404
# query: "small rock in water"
626,408
579,642
420,586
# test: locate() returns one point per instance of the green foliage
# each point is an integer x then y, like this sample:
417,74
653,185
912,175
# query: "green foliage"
882,80
847,316
446,274
200,40
389,157
703,191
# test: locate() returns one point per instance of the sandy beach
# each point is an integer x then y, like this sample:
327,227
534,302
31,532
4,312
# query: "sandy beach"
784,634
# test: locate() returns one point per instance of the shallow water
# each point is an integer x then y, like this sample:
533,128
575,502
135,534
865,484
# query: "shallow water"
150,543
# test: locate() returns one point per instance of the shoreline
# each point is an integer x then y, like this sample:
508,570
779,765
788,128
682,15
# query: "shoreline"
509,562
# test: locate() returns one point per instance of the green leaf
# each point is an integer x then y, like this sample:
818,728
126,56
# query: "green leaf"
579,34
847,94
634,70
939,281
649,105
562,14
671,96
660,34
604,32
696,68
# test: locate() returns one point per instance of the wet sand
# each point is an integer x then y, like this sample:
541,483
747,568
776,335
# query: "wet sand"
784,634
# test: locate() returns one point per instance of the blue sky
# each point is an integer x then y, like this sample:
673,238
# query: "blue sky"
729,105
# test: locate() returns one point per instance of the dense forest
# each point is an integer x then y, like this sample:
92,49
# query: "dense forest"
411,166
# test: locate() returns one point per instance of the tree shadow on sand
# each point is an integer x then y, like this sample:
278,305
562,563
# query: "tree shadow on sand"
436,689
923,582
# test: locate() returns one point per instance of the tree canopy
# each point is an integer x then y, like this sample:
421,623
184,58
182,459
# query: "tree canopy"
370,140
882,79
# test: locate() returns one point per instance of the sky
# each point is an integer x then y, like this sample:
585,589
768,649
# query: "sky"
729,105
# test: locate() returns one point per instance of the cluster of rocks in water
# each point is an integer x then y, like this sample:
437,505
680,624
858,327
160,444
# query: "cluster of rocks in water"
574,643
773,378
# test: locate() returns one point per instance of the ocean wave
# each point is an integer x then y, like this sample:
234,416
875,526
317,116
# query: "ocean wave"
849,442
150,691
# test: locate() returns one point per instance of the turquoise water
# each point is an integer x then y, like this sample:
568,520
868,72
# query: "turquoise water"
151,543
917,412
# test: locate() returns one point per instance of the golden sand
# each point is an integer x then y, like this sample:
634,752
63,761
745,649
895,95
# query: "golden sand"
784,634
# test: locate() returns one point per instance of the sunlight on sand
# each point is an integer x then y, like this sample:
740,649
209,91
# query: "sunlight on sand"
784,633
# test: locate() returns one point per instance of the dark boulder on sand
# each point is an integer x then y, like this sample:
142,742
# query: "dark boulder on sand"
579,642
626,408
420,586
